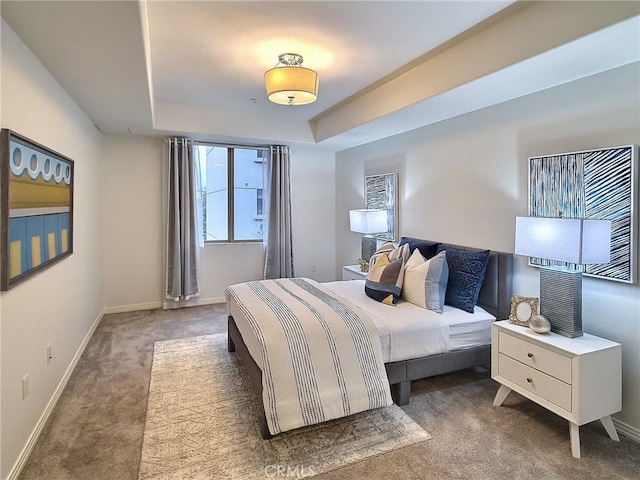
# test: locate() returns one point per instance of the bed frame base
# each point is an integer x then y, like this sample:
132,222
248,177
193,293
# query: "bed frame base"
425,367
400,374
236,344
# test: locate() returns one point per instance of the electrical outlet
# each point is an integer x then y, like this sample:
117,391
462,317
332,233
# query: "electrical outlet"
25,386
49,354
313,268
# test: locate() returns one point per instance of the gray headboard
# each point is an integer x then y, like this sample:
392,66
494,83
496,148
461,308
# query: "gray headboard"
495,294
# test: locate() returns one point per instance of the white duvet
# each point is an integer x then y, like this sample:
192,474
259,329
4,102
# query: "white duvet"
406,330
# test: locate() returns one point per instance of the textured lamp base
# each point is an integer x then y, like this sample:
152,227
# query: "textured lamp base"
369,247
561,301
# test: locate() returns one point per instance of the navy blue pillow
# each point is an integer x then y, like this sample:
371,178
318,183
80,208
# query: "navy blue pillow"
426,248
466,274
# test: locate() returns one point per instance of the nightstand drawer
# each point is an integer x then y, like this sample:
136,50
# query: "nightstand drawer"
535,381
535,356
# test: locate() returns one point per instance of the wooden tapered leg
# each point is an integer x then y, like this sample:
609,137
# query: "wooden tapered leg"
610,428
574,436
503,393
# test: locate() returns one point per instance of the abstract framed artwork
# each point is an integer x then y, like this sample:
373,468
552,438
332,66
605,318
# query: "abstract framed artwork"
380,193
595,184
36,207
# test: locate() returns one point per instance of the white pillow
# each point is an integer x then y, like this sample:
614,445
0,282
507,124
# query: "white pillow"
425,281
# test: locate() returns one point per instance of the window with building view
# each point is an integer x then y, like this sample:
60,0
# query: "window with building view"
231,182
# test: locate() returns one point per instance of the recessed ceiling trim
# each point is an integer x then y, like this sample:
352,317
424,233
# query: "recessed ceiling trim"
514,39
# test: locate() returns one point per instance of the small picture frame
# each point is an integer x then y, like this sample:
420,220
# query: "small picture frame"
522,309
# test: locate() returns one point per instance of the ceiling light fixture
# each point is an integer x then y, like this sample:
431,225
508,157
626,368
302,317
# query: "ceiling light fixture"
288,83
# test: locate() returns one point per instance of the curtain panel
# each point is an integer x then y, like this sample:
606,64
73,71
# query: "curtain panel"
278,240
183,240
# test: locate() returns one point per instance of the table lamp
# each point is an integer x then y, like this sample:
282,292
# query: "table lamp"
570,240
368,222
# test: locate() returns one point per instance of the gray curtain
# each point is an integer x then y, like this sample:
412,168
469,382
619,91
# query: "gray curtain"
277,219
183,249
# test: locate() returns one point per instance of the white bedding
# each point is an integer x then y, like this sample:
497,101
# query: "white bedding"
405,330
408,331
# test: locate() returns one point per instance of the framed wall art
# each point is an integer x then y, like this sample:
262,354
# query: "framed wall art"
380,192
36,207
594,184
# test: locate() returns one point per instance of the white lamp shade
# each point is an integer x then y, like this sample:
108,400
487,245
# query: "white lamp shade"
368,221
291,85
571,240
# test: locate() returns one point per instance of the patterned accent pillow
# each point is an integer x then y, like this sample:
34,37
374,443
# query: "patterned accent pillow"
386,273
425,281
466,274
386,248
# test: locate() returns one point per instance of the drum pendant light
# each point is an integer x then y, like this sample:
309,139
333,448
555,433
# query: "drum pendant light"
288,83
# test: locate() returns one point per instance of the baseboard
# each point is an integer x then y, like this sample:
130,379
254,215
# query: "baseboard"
35,434
193,302
135,307
166,305
628,431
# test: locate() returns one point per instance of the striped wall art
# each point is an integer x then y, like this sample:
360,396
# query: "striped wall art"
380,192
597,184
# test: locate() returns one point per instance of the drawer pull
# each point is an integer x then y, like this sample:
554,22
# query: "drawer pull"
530,355
529,380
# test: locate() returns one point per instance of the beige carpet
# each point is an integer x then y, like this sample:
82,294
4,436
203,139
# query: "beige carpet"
202,423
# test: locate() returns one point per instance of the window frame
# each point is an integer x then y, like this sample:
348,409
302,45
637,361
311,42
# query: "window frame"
231,188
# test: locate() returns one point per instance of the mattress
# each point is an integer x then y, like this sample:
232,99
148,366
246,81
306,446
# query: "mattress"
405,330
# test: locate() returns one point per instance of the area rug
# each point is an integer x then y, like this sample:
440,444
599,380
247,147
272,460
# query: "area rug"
202,423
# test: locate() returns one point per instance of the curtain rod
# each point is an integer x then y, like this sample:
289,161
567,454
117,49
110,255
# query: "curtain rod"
230,145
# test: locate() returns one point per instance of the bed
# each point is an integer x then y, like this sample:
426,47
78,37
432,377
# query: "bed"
467,345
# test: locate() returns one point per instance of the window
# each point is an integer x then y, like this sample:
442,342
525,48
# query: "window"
231,180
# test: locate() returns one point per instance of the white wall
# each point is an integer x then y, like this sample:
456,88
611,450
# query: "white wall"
313,213
60,305
464,180
133,237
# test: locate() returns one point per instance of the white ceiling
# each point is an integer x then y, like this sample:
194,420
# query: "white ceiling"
193,68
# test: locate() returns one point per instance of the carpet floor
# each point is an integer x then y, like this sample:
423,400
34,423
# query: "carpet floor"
202,423
96,429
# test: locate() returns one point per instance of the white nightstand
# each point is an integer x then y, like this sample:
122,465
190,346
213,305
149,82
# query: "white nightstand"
353,272
579,379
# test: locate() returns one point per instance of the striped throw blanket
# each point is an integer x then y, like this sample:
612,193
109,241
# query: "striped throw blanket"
321,356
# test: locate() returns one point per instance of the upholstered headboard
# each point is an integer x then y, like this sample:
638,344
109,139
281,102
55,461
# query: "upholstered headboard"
495,293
